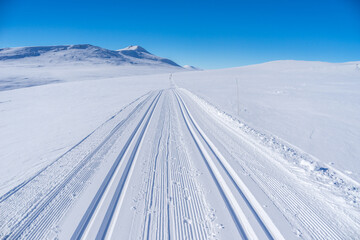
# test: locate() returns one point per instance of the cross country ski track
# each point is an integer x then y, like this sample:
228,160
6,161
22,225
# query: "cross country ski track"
165,168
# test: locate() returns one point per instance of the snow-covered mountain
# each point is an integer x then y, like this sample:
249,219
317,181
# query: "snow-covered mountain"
32,66
132,55
140,53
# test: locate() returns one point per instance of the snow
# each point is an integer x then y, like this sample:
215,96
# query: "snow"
15,76
47,120
102,149
31,66
191,68
312,105
134,48
140,53
82,53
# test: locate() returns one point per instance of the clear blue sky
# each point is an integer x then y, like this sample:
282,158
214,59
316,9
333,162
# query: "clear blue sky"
207,34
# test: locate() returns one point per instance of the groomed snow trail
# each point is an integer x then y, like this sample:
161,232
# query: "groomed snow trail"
165,168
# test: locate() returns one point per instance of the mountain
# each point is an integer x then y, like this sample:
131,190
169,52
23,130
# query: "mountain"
32,66
132,55
140,53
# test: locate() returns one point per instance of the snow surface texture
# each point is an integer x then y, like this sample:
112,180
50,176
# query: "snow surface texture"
157,156
312,105
32,66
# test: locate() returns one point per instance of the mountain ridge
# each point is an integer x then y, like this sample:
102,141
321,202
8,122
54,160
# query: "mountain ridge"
134,55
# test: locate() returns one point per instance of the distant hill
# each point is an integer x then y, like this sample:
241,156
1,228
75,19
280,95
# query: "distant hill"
188,67
132,55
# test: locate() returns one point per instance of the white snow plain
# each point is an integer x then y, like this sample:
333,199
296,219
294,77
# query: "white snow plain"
303,115
312,105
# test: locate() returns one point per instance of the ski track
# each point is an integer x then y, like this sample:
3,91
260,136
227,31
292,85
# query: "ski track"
170,188
30,213
312,219
244,226
150,152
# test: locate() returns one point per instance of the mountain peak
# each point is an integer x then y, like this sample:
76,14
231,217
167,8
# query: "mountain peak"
134,48
140,53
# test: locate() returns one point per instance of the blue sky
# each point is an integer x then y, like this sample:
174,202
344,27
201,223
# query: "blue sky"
208,34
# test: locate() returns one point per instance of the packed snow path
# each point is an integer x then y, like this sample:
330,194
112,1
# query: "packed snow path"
164,168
